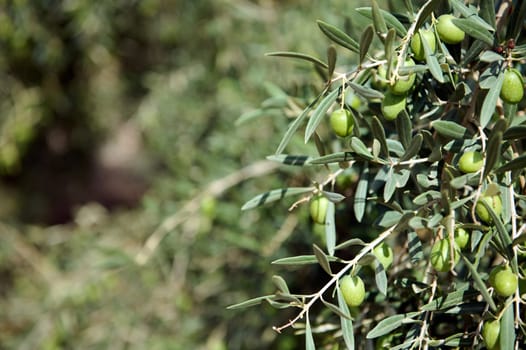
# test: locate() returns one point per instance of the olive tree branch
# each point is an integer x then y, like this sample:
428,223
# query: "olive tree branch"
336,277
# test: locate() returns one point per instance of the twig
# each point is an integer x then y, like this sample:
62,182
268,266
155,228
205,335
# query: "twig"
214,189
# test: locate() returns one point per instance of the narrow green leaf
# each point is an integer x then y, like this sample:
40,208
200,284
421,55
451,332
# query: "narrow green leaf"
250,302
480,285
390,20
378,20
360,197
492,152
432,61
459,296
333,158
334,197
424,13
335,309
300,260
346,322
365,42
487,12
490,57
379,134
322,259
280,283
450,129
338,36
295,125
330,229
471,13
331,58
404,128
380,277
414,147
427,197
416,253
300,56
319,113
390,324
474,29
309,340
518,163
507,329
488,107
289,159
359,147
390,185
389,218
365,92
515,133
389,44
274,195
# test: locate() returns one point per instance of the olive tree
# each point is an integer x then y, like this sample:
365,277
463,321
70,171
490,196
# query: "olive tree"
418,132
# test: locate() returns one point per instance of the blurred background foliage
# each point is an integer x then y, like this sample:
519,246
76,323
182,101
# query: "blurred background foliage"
118,124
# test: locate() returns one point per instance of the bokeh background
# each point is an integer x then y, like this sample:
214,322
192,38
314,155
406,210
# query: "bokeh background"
123,170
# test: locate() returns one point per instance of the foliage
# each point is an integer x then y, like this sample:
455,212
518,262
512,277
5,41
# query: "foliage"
176,73
396,179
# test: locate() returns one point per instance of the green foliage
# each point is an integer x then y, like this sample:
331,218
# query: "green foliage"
408,190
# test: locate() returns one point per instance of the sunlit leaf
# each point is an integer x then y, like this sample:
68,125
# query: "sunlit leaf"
309,340
250,302
289,159
390,20
389,324
450,129
300,56
274,195
507,329
330,229
360,197
346,322
280,283
474,29
380,277
365,92
319,113
488,107
295,125
365,42
416,252
339,37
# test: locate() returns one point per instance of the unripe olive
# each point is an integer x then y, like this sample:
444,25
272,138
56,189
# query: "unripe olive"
448,31
392,105
503,280
512,90
470,162
379,81
342,122
405,82
441,255
490,334
418,48
318,209
384,253
353,290
461,237
353,100
494,202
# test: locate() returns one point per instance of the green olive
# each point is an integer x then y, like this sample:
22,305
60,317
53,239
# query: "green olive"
490,334
392,105
441,255
353,290
318,209
494,202
470,162
384,253
379,81
405,82
353,100
503,280
342,122
512,90
418,48
461,237
447,31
